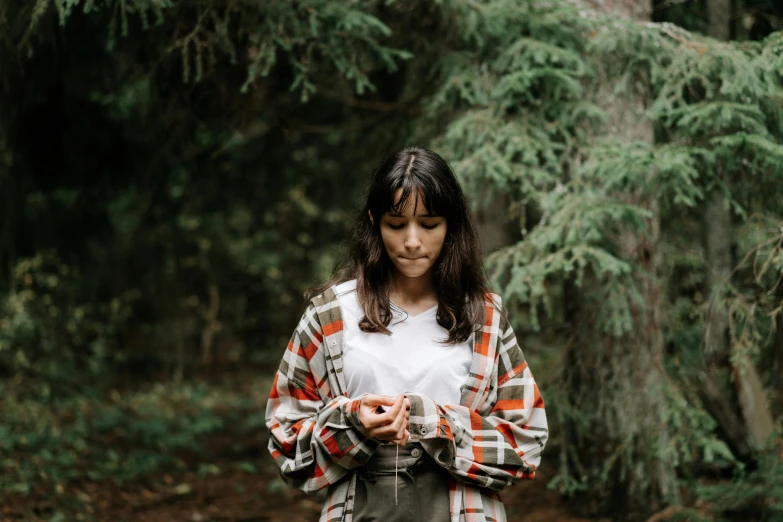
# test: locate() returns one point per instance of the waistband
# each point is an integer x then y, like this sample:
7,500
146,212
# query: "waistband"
390,460
412,459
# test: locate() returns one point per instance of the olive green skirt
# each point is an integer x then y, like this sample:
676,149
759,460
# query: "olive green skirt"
422,487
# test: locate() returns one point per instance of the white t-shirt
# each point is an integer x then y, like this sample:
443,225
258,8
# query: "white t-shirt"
409,360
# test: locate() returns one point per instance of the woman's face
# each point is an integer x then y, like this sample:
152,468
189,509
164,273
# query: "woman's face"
413,239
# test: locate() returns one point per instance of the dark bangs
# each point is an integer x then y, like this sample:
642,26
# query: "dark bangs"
436,193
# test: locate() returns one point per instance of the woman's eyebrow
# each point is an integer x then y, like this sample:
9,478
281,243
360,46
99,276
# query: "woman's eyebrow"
427,215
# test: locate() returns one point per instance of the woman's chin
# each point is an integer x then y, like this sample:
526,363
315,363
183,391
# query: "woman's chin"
412,273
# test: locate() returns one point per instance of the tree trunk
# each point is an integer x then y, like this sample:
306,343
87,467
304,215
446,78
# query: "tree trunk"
493,226
778,348
618,385
211,325
741,410
719,19
7,213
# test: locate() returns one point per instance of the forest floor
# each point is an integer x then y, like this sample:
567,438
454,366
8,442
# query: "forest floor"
223,471
244,497
239,496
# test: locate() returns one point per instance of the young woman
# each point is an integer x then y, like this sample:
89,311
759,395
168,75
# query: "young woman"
403,391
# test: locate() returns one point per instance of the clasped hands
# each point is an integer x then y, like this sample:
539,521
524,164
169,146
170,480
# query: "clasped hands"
386,418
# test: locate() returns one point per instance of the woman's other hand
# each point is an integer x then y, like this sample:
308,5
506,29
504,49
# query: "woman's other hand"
386,418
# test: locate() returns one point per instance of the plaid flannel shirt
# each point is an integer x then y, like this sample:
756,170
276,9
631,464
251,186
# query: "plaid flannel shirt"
493,438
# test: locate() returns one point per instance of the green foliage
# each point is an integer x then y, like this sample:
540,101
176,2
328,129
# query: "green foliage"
753,494
307,35
577,190
221,220
119,438
187,169
43,327
694,439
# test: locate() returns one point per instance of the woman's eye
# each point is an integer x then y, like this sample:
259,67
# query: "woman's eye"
399,226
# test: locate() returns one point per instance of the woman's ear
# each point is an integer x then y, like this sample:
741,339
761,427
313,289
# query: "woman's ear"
369,213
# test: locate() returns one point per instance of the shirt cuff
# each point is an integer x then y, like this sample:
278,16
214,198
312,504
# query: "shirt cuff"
424,418
352,410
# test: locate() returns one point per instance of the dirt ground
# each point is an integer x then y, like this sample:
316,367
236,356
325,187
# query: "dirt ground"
243,497
232,480
235,495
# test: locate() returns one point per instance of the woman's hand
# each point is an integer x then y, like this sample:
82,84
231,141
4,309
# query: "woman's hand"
386,418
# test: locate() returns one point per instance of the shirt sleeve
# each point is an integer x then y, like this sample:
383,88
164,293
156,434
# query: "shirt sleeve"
498,445
314,440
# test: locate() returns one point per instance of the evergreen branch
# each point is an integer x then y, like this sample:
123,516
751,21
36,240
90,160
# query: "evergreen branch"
39,9
672,31
312,128
373,105
755,252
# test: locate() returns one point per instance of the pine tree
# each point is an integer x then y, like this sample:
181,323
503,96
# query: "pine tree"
739,407
591,190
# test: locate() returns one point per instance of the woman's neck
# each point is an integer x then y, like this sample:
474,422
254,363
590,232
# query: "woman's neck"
412,290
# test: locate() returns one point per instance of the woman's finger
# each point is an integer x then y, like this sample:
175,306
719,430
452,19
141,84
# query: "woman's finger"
384,426
392,413
403,439
381,419
377,400
391,431
402,419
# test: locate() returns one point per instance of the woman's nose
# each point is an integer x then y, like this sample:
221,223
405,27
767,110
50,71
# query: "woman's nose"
412,240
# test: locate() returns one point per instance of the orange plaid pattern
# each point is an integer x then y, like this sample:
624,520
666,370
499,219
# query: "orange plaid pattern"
492,439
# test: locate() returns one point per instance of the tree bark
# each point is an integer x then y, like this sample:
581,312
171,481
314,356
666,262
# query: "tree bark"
741,410
494,228
8,206
624,378
719,19
778,348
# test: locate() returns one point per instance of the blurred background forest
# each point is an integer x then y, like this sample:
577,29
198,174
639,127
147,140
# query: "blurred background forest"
175,174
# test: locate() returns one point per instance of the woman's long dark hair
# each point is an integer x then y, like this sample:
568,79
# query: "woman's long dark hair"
458,275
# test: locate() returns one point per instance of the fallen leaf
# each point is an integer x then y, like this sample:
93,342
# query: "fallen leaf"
182,489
